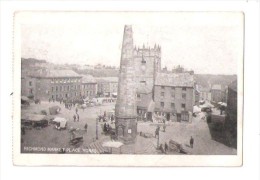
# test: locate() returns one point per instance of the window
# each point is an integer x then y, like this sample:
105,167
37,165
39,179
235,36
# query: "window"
143,82
162,94
138,95
31,91
173,105
184,88
60,88
52,89
30,83
56,88
173,94
183,106
162,104
162,87
183,96
173,88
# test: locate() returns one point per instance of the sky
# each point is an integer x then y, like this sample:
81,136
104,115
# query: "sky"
206,42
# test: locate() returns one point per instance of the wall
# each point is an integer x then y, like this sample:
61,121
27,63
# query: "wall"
177,99
89,90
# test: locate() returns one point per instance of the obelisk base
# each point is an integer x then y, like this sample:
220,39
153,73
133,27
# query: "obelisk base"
126,129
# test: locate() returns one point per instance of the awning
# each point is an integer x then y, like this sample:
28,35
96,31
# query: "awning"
151,106
60,120
33,117
24,98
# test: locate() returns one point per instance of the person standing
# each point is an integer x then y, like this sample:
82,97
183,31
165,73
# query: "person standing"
166,147
76,110
191,142
78,117
164,127
74,117
86,127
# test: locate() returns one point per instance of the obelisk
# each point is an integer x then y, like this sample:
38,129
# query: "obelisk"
125,110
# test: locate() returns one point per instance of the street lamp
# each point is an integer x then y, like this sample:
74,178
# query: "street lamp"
97,128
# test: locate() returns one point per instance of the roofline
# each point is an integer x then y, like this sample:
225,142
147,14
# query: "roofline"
174,86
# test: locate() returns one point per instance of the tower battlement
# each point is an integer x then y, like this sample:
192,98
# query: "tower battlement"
147,51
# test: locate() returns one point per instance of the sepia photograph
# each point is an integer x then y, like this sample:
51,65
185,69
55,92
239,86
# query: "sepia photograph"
163,84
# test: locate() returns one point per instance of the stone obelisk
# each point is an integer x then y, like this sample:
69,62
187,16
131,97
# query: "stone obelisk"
126,109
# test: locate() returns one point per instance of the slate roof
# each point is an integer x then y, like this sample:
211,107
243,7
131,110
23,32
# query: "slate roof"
55,73
175,79
62,73
88,79
107,79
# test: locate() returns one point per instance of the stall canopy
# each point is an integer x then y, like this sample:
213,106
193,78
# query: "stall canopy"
60,120
33,117
196,109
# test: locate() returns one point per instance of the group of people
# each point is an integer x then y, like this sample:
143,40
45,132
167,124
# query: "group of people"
106,127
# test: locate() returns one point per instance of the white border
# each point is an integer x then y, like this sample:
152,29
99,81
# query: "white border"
108,160
251,112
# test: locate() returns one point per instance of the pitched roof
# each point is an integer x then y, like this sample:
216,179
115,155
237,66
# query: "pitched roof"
88,79
62,73
55,73
233,85
175,79
107,79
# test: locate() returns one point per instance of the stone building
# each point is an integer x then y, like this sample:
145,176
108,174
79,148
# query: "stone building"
52,84
205,93
144,97
88,87
107,86
231,114
218,93
125,109
174,96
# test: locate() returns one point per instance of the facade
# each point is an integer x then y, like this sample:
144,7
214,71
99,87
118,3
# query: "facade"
144,98
174,96
53,84
125,109
218,93
88,87
205,93
231,113
147,63
107,86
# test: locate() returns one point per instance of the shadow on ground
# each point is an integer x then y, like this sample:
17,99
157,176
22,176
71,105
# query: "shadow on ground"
219,134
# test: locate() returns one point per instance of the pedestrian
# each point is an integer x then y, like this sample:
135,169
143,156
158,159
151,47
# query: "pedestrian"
161,148
105,113
86,127
78,117
166,147
191,142
164,127
74,117
157,131
105,127
76,110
